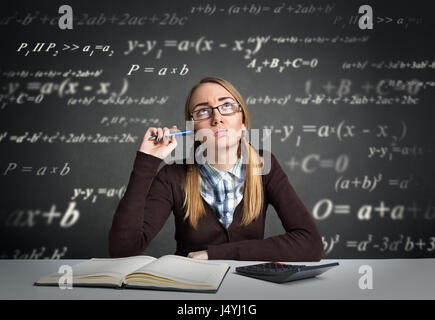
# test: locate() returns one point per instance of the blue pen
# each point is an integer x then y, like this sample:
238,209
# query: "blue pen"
177,133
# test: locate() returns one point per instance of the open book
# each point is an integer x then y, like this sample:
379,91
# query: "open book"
168,272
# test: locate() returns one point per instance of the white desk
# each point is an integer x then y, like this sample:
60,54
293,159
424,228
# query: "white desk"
392,279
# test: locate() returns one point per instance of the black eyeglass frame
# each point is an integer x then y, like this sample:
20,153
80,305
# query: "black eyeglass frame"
217,107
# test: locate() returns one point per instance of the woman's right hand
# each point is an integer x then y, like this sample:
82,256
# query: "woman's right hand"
160,149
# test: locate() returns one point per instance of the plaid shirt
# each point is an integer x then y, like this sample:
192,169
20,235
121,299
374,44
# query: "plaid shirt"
222,189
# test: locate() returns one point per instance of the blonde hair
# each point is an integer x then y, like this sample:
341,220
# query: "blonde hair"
252,187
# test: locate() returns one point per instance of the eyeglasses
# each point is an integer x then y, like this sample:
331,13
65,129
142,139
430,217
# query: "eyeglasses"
225,109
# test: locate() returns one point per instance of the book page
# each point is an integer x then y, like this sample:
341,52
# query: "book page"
186,270
118,267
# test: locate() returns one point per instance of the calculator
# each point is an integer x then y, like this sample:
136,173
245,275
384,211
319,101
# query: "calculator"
279,272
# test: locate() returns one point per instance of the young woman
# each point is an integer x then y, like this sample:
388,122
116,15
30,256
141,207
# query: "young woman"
219,204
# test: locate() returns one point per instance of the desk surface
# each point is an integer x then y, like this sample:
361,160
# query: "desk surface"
392,279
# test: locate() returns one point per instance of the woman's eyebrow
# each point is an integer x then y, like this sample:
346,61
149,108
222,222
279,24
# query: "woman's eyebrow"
206,103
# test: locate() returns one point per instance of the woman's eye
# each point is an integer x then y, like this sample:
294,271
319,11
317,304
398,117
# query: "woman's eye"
228,105
202,111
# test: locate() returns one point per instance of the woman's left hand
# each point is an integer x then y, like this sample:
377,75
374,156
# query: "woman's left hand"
201,255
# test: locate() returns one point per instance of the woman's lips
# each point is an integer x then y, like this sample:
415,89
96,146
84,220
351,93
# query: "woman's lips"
220,133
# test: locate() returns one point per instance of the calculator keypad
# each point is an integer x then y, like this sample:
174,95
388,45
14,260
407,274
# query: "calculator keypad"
271,268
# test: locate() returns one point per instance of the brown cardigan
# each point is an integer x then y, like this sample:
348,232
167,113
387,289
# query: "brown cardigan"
152,194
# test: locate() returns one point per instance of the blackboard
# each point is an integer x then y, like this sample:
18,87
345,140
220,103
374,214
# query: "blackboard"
350,112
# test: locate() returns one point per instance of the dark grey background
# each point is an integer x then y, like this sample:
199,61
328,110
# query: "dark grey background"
408,37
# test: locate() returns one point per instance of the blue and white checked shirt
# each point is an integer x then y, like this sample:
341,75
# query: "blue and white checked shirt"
222,189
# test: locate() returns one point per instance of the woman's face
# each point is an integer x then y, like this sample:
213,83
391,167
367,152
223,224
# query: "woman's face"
213,95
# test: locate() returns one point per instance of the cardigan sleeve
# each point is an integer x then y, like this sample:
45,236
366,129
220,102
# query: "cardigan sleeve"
301,240
143,209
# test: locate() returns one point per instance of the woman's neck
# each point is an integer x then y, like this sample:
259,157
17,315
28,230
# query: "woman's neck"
225,159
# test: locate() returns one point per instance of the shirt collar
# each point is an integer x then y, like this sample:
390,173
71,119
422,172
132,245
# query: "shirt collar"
214,175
